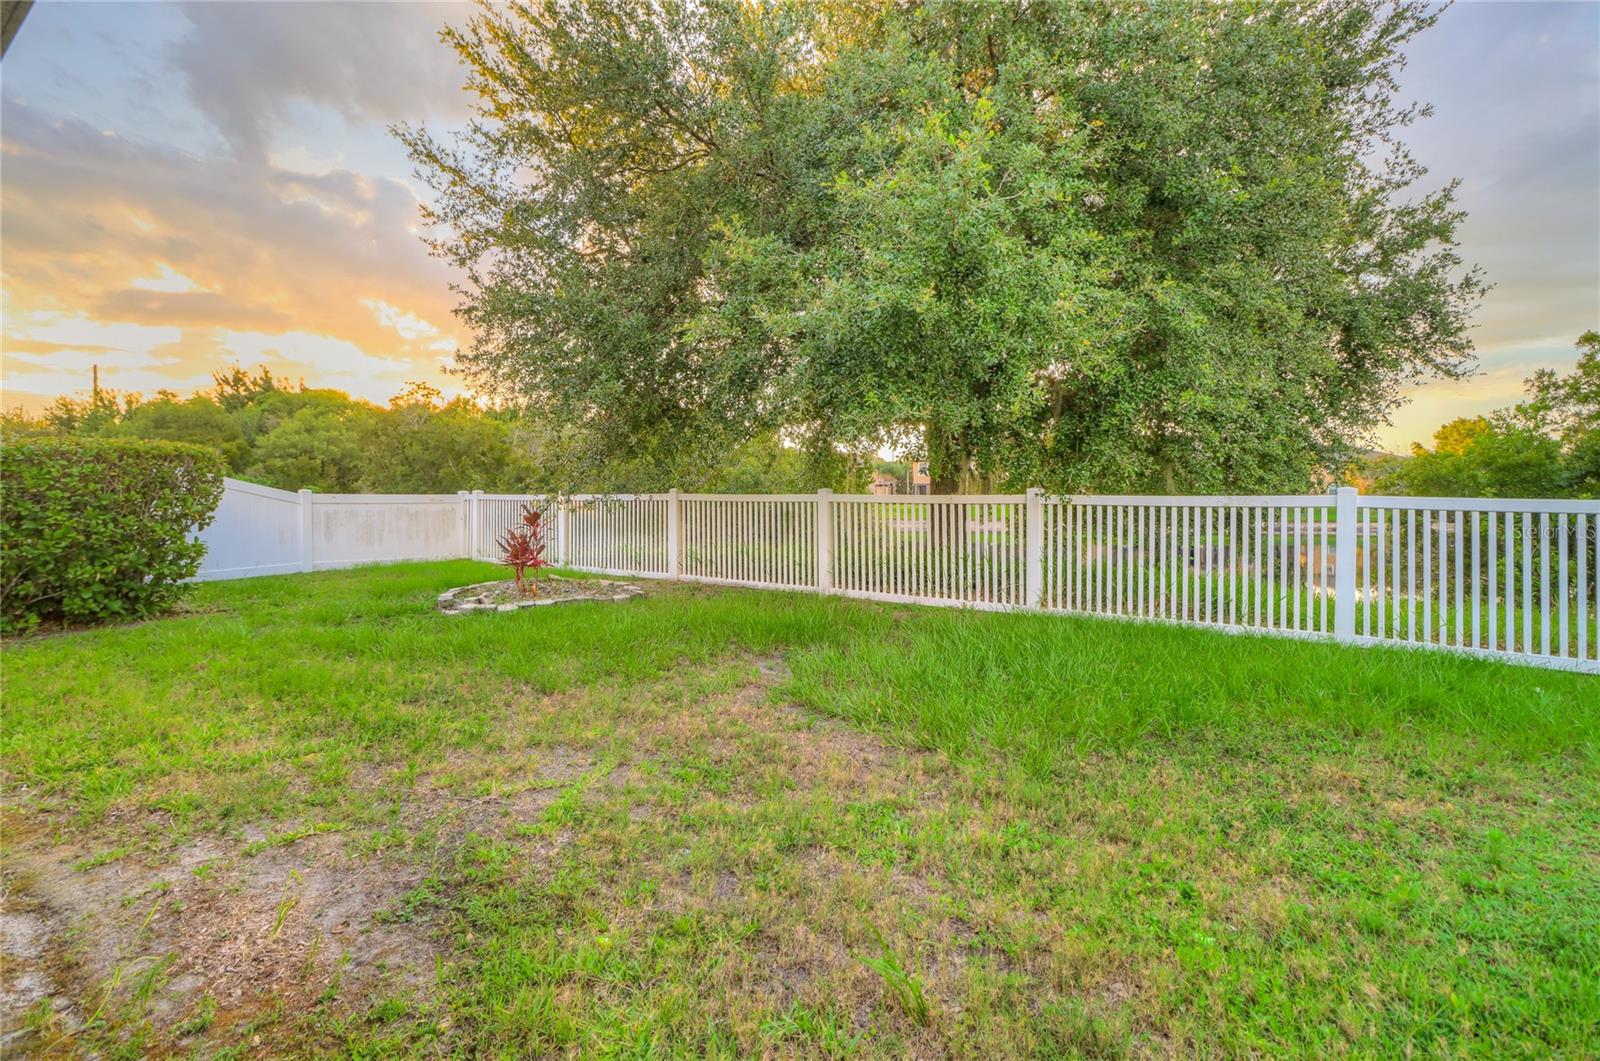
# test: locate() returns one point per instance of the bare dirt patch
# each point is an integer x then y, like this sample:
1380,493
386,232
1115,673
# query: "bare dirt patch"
782,843
211,938
194,942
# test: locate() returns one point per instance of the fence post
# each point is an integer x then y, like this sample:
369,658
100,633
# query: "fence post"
469,528
1034,546
674,536
824,541
308,528
1345,529
561,532
477,529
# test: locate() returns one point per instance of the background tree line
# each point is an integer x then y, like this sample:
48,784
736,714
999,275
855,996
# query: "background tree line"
292,436
1547,445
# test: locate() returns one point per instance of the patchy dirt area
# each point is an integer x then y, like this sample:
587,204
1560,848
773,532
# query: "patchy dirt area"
761,868
208,939
174,947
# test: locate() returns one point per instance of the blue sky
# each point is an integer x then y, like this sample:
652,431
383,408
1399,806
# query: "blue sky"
187,185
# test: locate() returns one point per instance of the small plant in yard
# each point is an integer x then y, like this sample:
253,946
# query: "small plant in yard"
522,549
906,985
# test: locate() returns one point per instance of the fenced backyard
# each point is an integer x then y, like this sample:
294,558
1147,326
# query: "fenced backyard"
1511,578
319,814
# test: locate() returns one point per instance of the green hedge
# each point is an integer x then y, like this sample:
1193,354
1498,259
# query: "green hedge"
98,529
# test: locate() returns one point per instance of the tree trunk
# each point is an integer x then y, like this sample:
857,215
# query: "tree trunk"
947,462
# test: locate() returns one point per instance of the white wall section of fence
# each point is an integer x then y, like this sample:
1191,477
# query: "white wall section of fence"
351,529
262,531
1515,579
256,531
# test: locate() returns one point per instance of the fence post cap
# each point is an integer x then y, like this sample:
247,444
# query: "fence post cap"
303,490
825,490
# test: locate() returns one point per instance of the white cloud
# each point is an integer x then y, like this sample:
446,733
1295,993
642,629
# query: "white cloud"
409,325
301,159
79,331
168,280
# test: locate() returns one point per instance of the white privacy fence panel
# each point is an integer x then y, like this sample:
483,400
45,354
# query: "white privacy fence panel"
256,531
262,531
1511,578
1507,576
350,529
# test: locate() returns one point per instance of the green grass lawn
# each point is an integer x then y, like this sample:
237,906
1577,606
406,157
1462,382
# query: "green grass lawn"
311,814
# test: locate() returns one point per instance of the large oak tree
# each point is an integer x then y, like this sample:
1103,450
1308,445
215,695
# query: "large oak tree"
1086,246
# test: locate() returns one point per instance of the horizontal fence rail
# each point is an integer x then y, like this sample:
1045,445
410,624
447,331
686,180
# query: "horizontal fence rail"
1513,579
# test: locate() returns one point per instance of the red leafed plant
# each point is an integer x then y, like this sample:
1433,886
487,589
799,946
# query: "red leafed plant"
522,549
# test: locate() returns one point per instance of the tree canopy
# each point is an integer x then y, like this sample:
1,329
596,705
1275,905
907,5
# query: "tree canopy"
1083,246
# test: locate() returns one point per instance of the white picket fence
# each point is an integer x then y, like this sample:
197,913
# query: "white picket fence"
1515,579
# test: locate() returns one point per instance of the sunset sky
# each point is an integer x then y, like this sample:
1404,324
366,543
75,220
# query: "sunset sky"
184,186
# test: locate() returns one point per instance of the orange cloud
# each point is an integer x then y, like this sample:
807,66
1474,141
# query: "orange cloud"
186,309
196,261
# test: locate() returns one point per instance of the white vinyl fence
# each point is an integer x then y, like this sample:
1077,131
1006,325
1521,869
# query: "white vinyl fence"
262,531
1513,579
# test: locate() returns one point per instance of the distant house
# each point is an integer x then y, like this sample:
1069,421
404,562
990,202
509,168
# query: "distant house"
916,481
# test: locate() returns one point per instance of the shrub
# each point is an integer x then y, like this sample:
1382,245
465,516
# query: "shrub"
98,529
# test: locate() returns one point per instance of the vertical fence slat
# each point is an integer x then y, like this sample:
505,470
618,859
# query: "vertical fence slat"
1561,599
1583,586
1527,582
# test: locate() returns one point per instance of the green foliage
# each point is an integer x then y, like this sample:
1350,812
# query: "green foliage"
100,529
1081,246
1474,458
324,440
319,448
199,420
1546,446
419,446
1568,408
